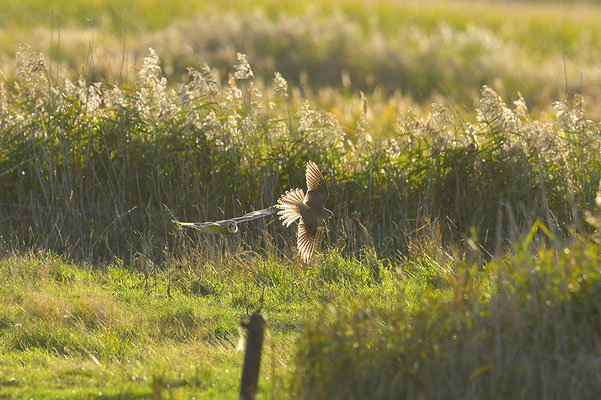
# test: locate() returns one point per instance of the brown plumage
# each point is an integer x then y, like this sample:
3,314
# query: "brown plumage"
309,208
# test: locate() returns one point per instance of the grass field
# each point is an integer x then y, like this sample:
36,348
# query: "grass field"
461,145
521,325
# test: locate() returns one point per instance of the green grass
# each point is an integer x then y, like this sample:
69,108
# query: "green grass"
76,330
525,325
438,321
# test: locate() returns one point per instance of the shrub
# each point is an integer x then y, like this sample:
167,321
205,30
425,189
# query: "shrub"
526,325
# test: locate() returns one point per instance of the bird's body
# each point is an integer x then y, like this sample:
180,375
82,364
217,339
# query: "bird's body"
294,205
228,226
309,209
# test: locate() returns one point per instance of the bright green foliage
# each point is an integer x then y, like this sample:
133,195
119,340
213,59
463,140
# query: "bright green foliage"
71,331
433,323
526,325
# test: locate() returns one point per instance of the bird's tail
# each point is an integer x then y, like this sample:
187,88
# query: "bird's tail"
288,204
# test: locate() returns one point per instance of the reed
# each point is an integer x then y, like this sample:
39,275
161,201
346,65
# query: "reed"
92,170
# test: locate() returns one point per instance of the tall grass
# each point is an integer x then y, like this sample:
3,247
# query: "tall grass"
424,286
88,168
525,325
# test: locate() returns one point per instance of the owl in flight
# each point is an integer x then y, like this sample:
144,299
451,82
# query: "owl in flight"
309,208
228,226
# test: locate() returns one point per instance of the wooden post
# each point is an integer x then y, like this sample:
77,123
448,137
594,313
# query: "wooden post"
252,356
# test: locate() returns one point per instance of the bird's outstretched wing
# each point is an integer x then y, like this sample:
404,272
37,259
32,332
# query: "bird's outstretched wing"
228,226
317,191
256,214
218,227
306,240
289,206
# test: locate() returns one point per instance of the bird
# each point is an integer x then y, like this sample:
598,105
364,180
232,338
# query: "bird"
308,209
228,226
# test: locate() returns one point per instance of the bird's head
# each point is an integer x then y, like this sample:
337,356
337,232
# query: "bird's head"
231,226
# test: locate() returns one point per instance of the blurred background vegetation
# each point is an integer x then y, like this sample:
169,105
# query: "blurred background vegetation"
424,50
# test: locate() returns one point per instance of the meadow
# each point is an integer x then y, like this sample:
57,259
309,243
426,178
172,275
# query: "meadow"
462,150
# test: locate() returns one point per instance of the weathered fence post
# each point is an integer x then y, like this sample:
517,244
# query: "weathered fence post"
252,356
